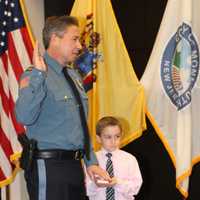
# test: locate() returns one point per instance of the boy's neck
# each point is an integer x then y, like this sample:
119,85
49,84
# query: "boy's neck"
102,148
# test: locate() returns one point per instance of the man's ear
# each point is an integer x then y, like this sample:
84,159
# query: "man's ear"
98,139
54,38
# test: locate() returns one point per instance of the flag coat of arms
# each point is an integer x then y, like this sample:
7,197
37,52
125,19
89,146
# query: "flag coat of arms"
172,86
112,85
16,51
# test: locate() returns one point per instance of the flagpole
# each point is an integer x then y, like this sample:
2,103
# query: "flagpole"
187,11
27,22
94,92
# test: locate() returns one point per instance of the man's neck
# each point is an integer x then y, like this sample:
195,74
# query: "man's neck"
56,56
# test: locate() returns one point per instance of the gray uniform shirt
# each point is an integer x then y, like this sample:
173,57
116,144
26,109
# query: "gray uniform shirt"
49,110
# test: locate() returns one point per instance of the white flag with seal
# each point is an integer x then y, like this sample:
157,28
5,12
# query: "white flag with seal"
172,86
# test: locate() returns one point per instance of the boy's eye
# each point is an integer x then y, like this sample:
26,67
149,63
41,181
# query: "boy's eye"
118,136
107,137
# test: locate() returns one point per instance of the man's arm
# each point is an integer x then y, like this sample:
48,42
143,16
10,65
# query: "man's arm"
32,90
94,170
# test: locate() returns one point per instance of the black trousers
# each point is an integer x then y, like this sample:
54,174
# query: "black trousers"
56,180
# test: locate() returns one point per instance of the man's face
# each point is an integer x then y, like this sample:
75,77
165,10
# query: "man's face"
68,46
110,138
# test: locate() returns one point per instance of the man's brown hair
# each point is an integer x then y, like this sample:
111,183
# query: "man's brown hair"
105,122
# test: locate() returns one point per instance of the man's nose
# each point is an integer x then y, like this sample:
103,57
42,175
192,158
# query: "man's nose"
79,46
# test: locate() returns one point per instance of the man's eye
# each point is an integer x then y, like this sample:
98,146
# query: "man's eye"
76,39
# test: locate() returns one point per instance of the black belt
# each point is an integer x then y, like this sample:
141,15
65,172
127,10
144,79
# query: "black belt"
59,154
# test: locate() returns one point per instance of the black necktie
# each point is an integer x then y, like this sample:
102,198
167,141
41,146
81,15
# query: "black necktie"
110,192
81,112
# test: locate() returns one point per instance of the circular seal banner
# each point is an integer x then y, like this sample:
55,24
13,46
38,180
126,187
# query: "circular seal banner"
180,66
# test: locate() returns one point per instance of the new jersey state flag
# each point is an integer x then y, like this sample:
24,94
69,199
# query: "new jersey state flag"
109,78
172,86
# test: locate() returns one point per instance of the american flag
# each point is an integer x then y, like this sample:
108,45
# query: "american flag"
15,54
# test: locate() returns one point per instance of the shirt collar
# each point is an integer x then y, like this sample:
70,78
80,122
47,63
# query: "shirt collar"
104,152
52,63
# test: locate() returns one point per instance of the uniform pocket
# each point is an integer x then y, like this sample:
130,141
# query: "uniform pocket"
63,96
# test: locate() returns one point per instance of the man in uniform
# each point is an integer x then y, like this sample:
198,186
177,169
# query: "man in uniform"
51,111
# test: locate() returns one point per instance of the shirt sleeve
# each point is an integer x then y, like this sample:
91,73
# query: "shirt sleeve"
28,104
130,186
93,158
91,188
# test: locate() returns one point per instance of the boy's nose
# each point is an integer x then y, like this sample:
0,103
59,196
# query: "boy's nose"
113,140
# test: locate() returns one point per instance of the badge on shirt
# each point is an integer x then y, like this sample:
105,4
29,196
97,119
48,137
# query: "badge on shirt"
79,84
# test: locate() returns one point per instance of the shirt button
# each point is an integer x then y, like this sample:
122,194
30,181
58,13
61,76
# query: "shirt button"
65,97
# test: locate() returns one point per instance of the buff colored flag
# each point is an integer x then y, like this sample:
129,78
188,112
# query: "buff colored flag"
172,85
109,78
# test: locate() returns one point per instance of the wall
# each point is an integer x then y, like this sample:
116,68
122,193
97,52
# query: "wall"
35,12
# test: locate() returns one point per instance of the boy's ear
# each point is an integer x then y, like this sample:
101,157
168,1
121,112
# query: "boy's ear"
98,139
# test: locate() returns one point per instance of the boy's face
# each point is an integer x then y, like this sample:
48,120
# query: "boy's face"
110,138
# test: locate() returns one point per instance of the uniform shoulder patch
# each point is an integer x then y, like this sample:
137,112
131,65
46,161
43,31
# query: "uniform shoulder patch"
29,69
24,82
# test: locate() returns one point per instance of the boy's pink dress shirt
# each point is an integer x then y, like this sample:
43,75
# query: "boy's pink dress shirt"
127,172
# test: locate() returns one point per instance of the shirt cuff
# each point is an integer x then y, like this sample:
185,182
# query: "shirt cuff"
37,78
92,161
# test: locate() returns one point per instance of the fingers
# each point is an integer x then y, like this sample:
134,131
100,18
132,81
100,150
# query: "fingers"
104,183
103,174
36,53
95,173
91,175
38,60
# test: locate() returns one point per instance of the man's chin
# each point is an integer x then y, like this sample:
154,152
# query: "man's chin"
72,59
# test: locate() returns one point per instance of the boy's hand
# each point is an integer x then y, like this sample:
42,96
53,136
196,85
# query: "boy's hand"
103,183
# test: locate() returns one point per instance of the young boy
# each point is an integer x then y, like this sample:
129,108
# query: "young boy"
121,166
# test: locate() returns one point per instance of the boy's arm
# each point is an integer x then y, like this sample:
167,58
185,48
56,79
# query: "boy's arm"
130,185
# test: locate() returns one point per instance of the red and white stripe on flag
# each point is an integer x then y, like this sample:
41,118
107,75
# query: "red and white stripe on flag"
16,51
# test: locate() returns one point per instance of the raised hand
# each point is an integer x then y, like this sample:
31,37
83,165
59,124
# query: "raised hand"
38,60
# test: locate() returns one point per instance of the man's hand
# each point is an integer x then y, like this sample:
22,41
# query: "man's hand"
95,173
38,60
